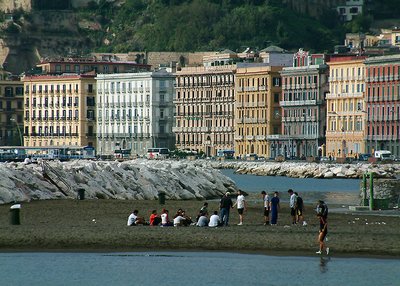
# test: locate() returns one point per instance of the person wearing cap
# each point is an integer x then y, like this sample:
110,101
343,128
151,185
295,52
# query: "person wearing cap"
225,206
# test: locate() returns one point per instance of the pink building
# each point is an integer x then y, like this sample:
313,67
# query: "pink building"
383,103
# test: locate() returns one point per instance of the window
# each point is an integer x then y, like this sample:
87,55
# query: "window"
276,97
276,81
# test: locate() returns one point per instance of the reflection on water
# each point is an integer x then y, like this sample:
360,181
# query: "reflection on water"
323,264
192,268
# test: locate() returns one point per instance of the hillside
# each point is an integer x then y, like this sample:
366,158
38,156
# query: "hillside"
172,25
199,25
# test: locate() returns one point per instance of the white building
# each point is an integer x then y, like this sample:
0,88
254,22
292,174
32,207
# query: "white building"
134,111
351,9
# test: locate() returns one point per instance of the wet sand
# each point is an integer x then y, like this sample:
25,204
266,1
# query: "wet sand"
100,225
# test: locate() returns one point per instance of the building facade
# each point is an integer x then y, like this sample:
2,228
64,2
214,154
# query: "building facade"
257,93
11,112
346,107
104,65
59,110
305,86
135,112
204,108
383,103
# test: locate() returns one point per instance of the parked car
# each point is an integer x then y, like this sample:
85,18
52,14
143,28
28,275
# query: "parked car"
364,157
324,159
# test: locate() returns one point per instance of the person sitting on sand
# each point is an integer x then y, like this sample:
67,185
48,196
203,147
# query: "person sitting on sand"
165,218
214,220
154,218
203,220
179,220
134,219
188,220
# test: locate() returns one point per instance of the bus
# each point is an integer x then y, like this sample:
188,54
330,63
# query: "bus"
63,153
122,154
157,153
227,154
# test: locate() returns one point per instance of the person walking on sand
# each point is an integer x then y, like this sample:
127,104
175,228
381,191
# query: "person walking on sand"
274,207
225,206
241,206
266,201
292,204
322,214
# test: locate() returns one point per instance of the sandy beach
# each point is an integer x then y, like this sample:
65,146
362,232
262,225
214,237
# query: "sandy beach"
100,225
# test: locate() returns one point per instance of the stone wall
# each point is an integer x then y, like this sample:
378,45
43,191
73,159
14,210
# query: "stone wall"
386,189
9,6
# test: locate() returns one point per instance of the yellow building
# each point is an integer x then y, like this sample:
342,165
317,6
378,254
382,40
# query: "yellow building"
346,115
257,110
59,110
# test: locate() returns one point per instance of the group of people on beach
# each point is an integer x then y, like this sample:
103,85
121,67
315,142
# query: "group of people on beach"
271,207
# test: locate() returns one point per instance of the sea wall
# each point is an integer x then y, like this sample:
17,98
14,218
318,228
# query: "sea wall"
137,180
305,170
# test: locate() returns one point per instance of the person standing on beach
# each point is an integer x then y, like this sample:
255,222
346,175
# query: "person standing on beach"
225,206
266,201
241,206
322,214
299,206
274,206
292,204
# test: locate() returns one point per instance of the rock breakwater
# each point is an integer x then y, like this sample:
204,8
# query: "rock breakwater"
137,180
306,170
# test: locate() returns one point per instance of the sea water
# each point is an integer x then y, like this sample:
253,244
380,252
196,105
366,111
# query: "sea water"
192,268
334,191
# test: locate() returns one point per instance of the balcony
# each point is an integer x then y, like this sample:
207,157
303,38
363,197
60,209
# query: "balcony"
238,137
298,103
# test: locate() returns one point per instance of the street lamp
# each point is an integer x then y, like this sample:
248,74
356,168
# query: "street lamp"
21,143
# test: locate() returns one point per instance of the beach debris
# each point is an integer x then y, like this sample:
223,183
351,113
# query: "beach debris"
357,218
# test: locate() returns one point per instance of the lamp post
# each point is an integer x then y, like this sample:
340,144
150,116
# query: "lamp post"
21,143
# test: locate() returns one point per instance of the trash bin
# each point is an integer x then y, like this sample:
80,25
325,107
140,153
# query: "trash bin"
161,198
81,194
14,214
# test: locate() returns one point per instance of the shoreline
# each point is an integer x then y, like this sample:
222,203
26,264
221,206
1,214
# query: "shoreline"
100,226
276,253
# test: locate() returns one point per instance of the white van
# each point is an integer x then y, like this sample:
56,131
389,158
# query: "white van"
383,155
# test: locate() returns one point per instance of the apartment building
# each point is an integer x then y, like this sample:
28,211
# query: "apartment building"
104,65
346,107
59,110
204,105
11,111
135,112
304,88
383,103
257,111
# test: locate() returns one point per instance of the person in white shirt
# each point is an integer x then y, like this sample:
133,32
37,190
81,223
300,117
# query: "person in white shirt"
266,201
165,218
292,204
203,221
178,220
134,219
241,206
214,220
